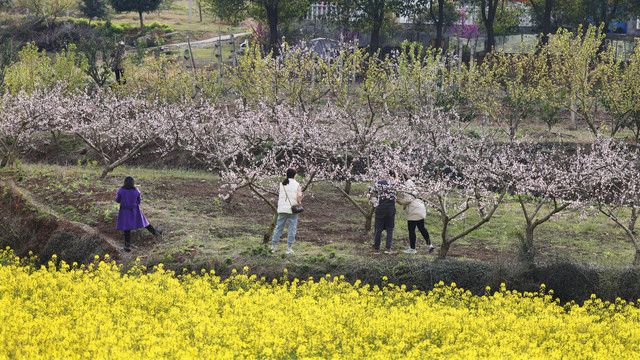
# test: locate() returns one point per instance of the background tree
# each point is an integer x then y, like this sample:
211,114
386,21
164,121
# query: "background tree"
47,10
575,56
166,5
101,56
116,128
8,55
507,19
276,12
232,11
25,115
619,94
634,7
441,13
507,88
139,6
94,9
603,12
544,191
36,70
613,185
367,15
464,177
488,9
5,4
272,12
542,10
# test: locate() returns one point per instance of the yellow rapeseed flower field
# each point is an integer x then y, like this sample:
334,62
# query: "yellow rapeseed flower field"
96,312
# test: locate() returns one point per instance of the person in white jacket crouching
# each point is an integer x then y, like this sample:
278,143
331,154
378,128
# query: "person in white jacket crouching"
416,212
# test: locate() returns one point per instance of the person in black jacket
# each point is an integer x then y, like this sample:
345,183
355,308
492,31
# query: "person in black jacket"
385,192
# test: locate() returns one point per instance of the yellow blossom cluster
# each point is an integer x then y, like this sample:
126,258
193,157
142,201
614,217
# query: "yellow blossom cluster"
65,311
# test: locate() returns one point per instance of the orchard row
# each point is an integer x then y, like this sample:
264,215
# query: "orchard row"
461,171
574,78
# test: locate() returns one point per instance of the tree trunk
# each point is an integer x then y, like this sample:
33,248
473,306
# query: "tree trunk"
444,249
636,259
347,187
142,29
439,24
491,38
375,38
272,20
528,253
546,21
269,233
367,224
369,219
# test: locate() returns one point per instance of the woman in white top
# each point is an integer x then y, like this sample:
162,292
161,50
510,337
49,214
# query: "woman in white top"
416,212
290,195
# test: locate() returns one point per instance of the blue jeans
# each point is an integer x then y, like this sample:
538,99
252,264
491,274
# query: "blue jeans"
291,231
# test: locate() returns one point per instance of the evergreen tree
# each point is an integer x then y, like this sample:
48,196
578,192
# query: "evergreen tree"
94,8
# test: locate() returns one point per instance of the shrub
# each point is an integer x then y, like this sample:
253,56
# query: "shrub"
71,247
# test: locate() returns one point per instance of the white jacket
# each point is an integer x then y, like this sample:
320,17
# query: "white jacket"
414,207
291,190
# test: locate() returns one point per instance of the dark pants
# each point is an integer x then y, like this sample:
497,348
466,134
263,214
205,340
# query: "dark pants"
412,224
385,220
127,235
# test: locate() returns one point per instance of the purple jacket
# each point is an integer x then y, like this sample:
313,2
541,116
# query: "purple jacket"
130,217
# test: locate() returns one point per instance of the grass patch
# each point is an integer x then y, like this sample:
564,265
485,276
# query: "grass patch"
200,227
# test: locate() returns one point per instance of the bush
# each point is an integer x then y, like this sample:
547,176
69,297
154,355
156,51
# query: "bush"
71,247
629,284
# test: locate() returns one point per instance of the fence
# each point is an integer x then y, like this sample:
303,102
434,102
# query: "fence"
321,10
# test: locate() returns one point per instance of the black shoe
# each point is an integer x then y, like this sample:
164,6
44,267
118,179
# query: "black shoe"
159,232
125,249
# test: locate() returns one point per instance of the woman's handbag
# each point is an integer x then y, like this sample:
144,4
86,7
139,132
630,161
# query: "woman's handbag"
296,209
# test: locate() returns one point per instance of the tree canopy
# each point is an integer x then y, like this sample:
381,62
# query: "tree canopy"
94,8
139,6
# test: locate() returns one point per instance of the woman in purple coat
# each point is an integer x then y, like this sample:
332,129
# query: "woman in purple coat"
130,216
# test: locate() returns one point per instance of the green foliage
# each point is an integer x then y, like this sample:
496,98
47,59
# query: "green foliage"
576,61
166,5
69,68
288,10
8,55
163,78
32,70
135,5
367,15
423,11
620,92
49,10
139,6
100,56
5,4
35,69
508,19
156,26
94,9
232,11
